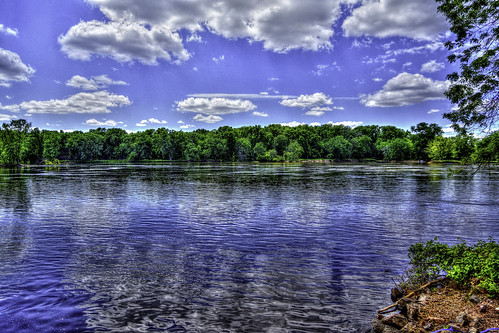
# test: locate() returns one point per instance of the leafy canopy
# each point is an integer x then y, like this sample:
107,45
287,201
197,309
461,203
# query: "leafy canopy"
475,90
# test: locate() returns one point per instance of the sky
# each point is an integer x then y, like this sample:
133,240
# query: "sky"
191,64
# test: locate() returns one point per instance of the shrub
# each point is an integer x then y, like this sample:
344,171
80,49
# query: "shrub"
475,266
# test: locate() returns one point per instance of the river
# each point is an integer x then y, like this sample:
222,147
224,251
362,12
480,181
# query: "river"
223,247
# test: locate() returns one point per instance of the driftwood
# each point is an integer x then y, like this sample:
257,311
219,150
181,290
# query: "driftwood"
394,305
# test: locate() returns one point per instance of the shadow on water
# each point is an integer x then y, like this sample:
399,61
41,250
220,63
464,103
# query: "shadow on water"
199,248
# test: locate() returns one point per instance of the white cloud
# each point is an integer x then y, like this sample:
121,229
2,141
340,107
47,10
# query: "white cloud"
12,69
260,114
315,124
448,129
432,66
351,124
219,59
377,79
123,41
95,102
281,25
107,123
215,106
6,117
417,19
94,83
308,101
145,122
8,31
8,97
433,111
209,119
292,124
318,111
406,89
194,38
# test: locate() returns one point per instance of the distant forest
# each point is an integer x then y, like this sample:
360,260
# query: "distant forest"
22,144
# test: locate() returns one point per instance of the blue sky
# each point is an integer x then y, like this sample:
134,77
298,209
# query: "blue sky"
189,64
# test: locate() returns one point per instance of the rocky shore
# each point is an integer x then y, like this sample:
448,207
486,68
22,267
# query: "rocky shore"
441,305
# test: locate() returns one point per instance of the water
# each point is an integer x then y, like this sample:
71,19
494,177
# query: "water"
222,248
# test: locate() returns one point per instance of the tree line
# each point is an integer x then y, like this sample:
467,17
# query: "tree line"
22,144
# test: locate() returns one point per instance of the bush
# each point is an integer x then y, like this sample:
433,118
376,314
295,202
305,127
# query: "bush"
475,266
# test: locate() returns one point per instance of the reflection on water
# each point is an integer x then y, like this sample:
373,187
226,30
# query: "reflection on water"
222,248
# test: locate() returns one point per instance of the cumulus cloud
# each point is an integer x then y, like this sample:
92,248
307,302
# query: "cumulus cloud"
292,124
433,111
6,117
417,19
215,106
183,125
318,111
348,123
107,123
432,66
308,101
93,83
12,69
209,119
406,89
8,31
95,102
260,114
281,25
123,41
145,122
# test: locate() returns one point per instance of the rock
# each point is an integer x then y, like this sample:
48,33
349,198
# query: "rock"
485,307
475,299
472,330
395,320
377,325
424,298
412,311
396,294
412,328
462,319
390,329
428,326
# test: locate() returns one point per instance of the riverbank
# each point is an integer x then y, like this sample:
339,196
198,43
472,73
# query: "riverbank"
441,305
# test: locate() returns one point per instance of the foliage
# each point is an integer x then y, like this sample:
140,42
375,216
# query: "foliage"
475,89
487,149
396,149
475,266
338,148
19,143
424,133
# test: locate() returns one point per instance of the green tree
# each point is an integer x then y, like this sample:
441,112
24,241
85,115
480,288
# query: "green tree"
440,149
475,89
52,145
243,149
293,152
338,148
487,149
280,143
259,151
361,147
463,146
397,149
424,133
12,140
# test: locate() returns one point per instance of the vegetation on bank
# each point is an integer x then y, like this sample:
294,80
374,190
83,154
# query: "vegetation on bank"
22,144
472,266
